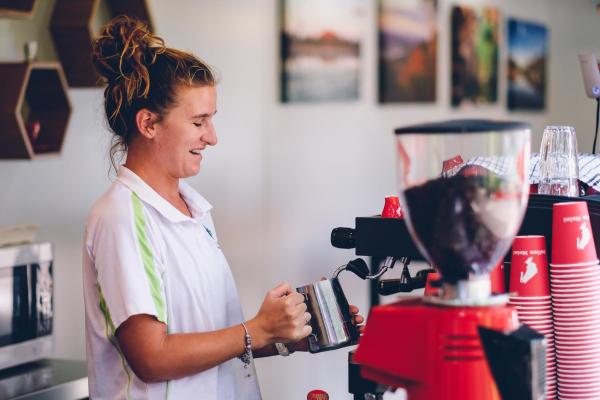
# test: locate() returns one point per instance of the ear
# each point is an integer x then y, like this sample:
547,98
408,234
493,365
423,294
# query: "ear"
146,121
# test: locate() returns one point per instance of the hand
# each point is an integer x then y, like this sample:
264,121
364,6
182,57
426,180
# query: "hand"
282,318
357,319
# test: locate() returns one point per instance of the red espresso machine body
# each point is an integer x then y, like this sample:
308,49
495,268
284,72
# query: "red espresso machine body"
433,352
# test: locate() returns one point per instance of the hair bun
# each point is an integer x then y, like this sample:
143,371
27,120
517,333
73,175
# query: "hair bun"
124,50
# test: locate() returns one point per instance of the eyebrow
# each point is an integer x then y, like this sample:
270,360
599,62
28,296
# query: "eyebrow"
205,115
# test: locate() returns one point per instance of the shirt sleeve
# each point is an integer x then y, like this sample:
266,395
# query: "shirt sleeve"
129,274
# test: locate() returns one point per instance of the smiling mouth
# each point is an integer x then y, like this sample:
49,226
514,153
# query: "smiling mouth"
195,152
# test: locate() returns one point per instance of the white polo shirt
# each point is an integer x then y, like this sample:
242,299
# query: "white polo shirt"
143,256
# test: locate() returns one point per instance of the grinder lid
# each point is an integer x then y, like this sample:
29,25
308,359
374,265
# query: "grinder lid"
464,126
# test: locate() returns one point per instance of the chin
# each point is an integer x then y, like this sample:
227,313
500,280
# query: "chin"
189,172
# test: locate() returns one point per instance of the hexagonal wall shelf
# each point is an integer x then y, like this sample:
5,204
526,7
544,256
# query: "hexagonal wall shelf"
17,8
34,109
75,23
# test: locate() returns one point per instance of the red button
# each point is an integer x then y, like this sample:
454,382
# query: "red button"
317,395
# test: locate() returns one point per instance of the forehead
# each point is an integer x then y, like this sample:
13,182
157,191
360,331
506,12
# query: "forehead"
196,100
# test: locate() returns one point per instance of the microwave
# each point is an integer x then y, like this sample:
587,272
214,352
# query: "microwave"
26,303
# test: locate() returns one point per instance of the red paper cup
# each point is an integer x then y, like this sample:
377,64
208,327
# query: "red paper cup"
529,303
529,267
573,277
574,313
587,288
572,237
565,342
531,306
530,299
572,338
535,318
530,316
579,393
534,311
575,266
568,306
587,374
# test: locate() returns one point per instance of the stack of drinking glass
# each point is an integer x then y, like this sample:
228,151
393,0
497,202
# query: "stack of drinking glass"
559,170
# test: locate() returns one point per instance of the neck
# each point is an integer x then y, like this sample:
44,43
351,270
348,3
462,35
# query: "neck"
158,179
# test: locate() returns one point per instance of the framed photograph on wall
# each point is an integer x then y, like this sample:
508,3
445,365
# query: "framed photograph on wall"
407,50
474,50
527,59
320,49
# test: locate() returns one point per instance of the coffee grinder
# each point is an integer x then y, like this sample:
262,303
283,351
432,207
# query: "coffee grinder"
464,343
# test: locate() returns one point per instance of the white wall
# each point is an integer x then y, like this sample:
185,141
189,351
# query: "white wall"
282,176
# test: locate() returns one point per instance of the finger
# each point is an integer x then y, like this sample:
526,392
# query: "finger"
301,307
295,299
359,319
281,290
298,313
307,317
353,309
306,330
361,329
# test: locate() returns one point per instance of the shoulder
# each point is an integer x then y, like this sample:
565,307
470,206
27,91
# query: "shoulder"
114,208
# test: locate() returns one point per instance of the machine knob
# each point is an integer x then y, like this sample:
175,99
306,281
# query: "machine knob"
343,238
359,267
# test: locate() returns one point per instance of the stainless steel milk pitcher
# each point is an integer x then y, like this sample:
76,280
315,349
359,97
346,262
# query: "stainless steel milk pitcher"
332,325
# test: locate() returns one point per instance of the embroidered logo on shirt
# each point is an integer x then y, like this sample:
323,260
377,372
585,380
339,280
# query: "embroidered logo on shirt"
211,235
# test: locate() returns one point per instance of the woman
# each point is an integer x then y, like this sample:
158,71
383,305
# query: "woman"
163,318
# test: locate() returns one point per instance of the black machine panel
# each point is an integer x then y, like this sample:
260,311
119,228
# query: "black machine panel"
382,237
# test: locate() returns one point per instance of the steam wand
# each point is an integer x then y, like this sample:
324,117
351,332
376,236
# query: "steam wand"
359,267
406,283
388,263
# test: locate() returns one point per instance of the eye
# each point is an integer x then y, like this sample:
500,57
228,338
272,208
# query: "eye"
197,124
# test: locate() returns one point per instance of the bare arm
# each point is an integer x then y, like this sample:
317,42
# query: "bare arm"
156,356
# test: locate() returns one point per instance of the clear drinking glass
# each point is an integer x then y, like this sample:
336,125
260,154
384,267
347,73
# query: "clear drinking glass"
559,170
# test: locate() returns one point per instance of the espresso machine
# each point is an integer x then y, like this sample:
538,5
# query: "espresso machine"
463,343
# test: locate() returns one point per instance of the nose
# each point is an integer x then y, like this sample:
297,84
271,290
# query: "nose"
210,137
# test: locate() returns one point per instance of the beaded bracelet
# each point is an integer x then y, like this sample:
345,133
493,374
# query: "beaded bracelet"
246,356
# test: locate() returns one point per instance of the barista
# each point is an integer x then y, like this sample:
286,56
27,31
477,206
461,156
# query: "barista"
163,317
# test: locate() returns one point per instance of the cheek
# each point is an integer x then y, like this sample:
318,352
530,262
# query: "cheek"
171,139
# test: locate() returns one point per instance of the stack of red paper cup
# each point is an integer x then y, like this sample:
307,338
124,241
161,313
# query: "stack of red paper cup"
575,284
529,288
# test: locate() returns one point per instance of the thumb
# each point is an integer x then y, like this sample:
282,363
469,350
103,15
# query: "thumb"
281,290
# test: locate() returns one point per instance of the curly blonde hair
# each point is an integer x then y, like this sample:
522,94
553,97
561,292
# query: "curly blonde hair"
139,71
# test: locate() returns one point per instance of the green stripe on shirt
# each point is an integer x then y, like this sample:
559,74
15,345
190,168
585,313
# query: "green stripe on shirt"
109,330
148,258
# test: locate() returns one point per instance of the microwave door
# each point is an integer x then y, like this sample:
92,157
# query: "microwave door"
15,305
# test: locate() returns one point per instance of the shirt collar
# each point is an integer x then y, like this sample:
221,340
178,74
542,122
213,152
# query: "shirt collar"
197,204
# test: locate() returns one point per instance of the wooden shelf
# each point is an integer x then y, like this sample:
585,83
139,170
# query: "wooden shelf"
17,8
75,23
33,94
